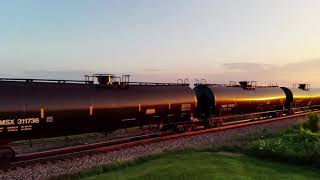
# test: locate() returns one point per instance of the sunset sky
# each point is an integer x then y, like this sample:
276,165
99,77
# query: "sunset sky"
274,41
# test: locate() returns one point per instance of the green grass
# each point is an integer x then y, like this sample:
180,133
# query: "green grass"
207,165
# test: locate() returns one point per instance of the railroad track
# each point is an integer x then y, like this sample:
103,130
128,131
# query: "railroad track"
102,147
75,151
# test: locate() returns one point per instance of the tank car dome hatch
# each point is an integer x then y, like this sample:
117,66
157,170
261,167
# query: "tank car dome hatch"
244,83
105,79
248,84
109,79
304,86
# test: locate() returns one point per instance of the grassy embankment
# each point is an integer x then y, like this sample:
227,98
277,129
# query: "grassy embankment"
299,144
207,165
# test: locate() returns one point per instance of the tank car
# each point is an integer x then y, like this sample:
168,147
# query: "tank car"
46,108
245,98
302,96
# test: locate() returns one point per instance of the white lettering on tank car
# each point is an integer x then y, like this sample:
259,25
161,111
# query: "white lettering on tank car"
7,122
49,119
28,121
130,119
1,129
12,129
26,128
185,107
228,105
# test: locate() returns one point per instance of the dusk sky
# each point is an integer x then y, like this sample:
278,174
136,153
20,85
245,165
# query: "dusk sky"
219,40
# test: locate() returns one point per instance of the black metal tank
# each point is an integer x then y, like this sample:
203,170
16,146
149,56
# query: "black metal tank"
228,100
303,96
45,108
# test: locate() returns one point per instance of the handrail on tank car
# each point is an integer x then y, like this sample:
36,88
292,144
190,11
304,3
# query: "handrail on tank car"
186,81
302,86
59,81
196,82
203,81
232,83
126,78
219,85
183,81
251,85
157,84
87,81
125,81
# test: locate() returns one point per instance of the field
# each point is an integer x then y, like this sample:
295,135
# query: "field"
207,165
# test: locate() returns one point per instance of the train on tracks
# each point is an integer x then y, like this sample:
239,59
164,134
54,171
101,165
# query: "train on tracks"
40,108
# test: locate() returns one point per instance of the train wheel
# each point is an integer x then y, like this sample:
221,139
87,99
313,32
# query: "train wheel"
211,123
180,128
279,114
220,123
161,126
217,124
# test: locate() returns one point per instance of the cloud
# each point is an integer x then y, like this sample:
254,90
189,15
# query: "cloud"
245,67
6,75
154,70
59,74
304,66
